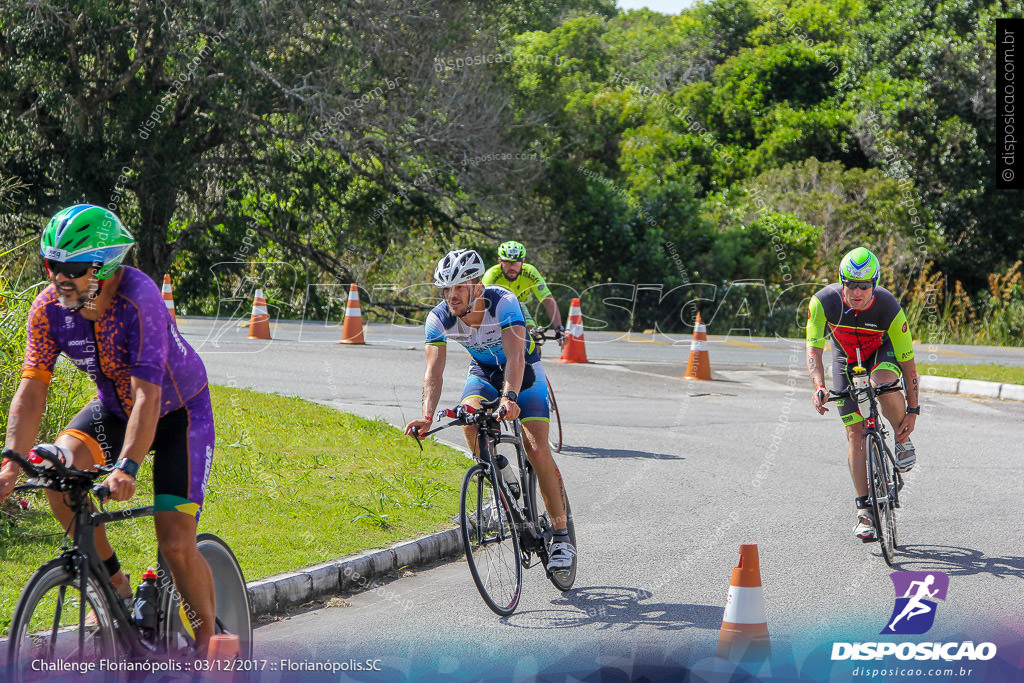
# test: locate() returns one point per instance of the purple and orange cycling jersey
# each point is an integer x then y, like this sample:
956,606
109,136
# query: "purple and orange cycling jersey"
134,337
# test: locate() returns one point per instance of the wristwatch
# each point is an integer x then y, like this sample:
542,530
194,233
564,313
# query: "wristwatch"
914,411
511,395
128,466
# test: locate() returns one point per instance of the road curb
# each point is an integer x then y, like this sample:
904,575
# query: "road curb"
972,387
357,572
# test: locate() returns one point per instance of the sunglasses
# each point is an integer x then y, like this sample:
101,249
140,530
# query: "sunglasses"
851,284
69,269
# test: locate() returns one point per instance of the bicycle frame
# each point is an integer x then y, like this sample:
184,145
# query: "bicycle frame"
526,514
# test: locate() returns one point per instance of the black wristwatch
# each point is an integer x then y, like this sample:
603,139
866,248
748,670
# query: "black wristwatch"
128,466
914,411
511,395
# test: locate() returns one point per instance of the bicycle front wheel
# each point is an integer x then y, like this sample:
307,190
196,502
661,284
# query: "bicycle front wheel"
234,614
47,626
555,427
491,541
882,485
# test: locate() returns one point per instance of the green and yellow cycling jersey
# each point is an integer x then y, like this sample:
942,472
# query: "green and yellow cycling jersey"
528,282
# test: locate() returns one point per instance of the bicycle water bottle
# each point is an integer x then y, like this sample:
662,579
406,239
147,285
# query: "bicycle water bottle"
146,597
61,453
507,475
861,381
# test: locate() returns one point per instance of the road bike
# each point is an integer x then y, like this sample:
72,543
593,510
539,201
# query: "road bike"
884,480
540,335
504,526
69,611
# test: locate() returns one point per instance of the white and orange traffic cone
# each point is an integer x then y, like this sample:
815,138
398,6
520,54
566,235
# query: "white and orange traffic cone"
259,322
744,634
699,365
169,298
352,328
574,350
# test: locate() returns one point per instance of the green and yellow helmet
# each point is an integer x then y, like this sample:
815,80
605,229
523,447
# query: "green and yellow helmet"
859,264
86,233
512,251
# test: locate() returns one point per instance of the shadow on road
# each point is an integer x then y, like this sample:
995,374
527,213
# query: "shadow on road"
957,561
615,606
591,452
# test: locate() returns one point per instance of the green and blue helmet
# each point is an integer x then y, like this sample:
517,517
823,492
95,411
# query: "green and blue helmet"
859,264
85,233
512,251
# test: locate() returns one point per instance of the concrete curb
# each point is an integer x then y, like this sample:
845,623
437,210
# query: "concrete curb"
358,572
972,387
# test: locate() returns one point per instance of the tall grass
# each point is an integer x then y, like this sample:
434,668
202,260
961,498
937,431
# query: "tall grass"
941,313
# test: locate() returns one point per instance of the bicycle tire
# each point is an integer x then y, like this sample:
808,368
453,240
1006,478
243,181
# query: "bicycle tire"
491,541
564,579
59,615
555,421
879,481
234,613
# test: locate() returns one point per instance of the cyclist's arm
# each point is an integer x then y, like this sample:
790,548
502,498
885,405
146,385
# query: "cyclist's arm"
513,343
903,347
815,367
551,306
433,378
815,341
145,415
25,415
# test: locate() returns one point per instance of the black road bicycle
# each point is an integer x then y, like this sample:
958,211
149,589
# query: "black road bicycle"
504,526
69,611
884,480
540,335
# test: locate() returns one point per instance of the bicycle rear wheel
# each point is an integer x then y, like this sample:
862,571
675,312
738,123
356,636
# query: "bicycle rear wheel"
46,625
880,481
563,579
491,541
234,615
555,426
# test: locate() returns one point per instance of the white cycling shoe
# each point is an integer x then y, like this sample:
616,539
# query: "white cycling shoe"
561,556
865,529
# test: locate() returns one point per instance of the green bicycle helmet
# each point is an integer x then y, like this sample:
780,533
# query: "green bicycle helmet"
859,264
87,233
512,251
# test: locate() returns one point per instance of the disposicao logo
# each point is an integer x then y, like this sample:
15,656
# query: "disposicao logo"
914,614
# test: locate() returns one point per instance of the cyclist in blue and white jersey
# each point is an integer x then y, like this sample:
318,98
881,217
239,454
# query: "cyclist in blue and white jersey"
489,323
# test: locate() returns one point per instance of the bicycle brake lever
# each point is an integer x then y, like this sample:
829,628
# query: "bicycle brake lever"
416,435
101,492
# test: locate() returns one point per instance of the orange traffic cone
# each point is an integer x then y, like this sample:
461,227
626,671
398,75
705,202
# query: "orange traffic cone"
169,298
224,650
744,634
574,350
699,367
259,322
352,328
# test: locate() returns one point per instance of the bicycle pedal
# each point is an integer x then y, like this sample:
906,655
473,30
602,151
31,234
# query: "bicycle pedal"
869,540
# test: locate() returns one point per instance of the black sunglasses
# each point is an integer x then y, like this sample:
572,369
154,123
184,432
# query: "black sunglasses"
857,284
69,269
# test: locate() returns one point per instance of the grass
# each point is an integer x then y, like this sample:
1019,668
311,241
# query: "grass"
1010,374
293,483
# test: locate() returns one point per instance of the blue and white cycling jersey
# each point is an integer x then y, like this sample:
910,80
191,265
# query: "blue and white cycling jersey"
483,343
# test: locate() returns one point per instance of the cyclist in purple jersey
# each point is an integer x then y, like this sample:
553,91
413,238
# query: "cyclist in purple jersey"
152,394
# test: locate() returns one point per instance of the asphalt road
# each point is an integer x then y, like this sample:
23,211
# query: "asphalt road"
667,478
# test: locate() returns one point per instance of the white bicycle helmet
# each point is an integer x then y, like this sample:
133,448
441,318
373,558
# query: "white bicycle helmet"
461,265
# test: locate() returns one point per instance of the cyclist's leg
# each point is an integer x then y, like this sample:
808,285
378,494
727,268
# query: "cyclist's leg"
886,369
94,437
182,457
854,423
478,388
534,415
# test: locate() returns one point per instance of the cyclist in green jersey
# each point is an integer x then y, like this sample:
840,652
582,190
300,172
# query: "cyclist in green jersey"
861,316
522,279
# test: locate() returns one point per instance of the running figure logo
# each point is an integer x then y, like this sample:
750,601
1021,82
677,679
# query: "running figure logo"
914,612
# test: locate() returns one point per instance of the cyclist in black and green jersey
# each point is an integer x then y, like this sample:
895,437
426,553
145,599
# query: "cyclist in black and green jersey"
522,279
858,314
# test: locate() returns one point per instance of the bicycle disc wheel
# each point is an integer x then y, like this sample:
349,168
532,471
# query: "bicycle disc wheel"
555,426
879,481
234,615
563,579
491,541
45,625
